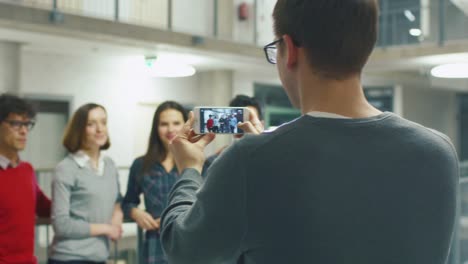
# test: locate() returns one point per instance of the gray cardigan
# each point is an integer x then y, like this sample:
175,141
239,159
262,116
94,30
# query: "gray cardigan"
79,198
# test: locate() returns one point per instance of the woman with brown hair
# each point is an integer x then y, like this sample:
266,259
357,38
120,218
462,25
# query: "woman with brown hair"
154,174
86,212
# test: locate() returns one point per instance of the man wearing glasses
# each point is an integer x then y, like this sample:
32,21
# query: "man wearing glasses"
344,183
20,197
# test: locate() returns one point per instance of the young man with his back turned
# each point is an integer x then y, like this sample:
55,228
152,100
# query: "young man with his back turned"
344,183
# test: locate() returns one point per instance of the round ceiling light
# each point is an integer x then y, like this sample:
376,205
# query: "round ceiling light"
415,32
455,70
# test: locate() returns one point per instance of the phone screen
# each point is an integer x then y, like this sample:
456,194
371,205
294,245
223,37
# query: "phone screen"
221,120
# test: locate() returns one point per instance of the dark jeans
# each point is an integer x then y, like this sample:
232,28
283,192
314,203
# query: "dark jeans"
51,261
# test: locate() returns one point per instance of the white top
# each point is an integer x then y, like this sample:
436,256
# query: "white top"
326,115
83,160
4,162
314,114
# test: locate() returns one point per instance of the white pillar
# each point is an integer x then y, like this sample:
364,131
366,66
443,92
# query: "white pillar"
216,90
398,100
9,67
226,13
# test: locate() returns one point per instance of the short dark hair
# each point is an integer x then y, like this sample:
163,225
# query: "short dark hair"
76,128
337,35
156,151
244,101
12,104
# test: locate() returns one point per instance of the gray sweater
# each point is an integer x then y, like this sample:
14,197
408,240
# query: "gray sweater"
335,191
79,198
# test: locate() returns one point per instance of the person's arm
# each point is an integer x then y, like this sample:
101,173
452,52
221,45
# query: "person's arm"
253,125
64,225
117,220
144,219
209,160
132,196
132,200
117,215
207,225
111,231
43,203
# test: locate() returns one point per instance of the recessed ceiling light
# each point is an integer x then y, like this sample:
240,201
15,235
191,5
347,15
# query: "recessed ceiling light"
455,70
416,32
409,15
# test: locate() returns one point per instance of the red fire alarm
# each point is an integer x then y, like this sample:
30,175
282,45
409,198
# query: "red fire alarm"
243,11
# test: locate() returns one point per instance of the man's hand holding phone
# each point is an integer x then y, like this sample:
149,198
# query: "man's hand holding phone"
188,147
253,125
226,120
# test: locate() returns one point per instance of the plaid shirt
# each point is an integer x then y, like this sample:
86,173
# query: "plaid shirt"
155,186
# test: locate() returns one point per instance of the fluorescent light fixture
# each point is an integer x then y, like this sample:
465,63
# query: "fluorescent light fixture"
168,68
455,70
416,32
409,15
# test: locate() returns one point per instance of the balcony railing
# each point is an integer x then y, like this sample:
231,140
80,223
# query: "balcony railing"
206,18
410,22
429,21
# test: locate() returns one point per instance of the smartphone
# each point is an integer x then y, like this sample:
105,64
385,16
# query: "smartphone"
220,120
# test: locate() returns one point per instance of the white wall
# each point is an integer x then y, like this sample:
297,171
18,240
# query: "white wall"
194,17
153,13
9,65
120,84
260,21
101,8
216,88
243,81
226,16
435,109
265,21
244,31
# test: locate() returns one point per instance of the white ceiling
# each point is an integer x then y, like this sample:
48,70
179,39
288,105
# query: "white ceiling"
462,4
202,61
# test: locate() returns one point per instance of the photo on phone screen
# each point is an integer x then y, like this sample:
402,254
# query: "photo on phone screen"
221,120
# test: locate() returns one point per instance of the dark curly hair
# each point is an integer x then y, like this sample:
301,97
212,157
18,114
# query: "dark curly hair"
244,101
337,35
12,104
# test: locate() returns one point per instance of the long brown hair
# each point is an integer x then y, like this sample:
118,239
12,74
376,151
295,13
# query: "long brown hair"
76,128
156,150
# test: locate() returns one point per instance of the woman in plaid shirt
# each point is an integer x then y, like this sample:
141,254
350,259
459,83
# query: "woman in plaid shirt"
154,174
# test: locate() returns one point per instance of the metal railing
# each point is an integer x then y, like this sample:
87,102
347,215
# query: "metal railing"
430,21
171,15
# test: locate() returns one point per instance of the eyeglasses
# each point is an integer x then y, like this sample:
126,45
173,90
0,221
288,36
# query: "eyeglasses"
271,51
17,125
